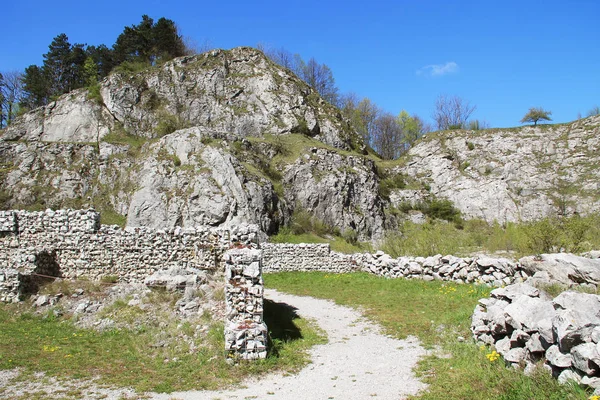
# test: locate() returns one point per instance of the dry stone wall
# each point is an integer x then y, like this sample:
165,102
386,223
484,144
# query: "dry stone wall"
73,244
280,257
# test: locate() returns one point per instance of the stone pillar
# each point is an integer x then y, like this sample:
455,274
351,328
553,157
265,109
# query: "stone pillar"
245,331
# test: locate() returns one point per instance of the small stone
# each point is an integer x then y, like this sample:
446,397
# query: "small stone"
568,375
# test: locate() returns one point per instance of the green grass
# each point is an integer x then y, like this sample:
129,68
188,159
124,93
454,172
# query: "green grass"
120,136
437,313
126,358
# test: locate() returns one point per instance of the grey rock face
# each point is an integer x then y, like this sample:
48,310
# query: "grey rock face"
512,174
342,191
233,93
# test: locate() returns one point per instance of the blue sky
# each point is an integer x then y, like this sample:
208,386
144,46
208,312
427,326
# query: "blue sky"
502,56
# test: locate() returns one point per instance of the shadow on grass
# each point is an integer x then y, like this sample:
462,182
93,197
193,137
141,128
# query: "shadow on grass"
279,318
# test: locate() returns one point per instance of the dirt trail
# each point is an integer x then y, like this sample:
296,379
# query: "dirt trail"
358,362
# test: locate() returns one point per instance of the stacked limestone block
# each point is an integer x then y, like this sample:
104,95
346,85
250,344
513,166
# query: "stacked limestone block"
245,331
8,222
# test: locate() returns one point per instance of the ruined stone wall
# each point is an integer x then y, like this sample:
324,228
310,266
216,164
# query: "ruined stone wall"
73,244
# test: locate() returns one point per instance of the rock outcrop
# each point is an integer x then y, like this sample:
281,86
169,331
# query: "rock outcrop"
516,174
235,93
191,143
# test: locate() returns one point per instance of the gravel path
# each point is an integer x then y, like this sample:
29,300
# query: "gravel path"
357,363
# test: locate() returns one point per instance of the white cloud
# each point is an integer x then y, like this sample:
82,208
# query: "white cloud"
438,69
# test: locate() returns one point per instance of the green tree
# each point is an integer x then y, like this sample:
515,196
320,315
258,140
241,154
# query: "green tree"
167,42
536,114
103,57
411,128
57,65
90,71
149,42
36,87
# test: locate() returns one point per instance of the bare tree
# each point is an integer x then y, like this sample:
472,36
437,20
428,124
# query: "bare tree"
593,111
388,137
451,112
319,77
11,88
192,46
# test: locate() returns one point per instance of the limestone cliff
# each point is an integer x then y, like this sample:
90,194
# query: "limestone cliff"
516,174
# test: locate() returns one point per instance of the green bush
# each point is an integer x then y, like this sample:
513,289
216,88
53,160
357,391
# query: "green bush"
441,209
132,67
389,183
94,93
168,124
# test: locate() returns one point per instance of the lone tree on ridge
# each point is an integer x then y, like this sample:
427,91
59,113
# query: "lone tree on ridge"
535,114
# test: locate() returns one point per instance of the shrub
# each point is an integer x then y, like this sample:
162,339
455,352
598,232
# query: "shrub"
94,93
302,127
441,209
168,124
388,183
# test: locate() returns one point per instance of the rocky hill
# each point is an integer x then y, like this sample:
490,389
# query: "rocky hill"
218,138
228,136
516,174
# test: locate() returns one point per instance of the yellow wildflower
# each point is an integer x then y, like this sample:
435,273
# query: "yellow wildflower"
493,356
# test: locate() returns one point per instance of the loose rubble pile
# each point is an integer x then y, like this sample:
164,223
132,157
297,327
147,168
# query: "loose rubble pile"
245,331
563,269
166,300
527,326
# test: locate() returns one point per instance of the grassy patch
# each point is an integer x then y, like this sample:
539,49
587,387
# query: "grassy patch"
437,313
305,228
573,234
120,136
131,358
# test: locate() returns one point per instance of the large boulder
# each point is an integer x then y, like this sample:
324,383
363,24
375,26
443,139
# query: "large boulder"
562,268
